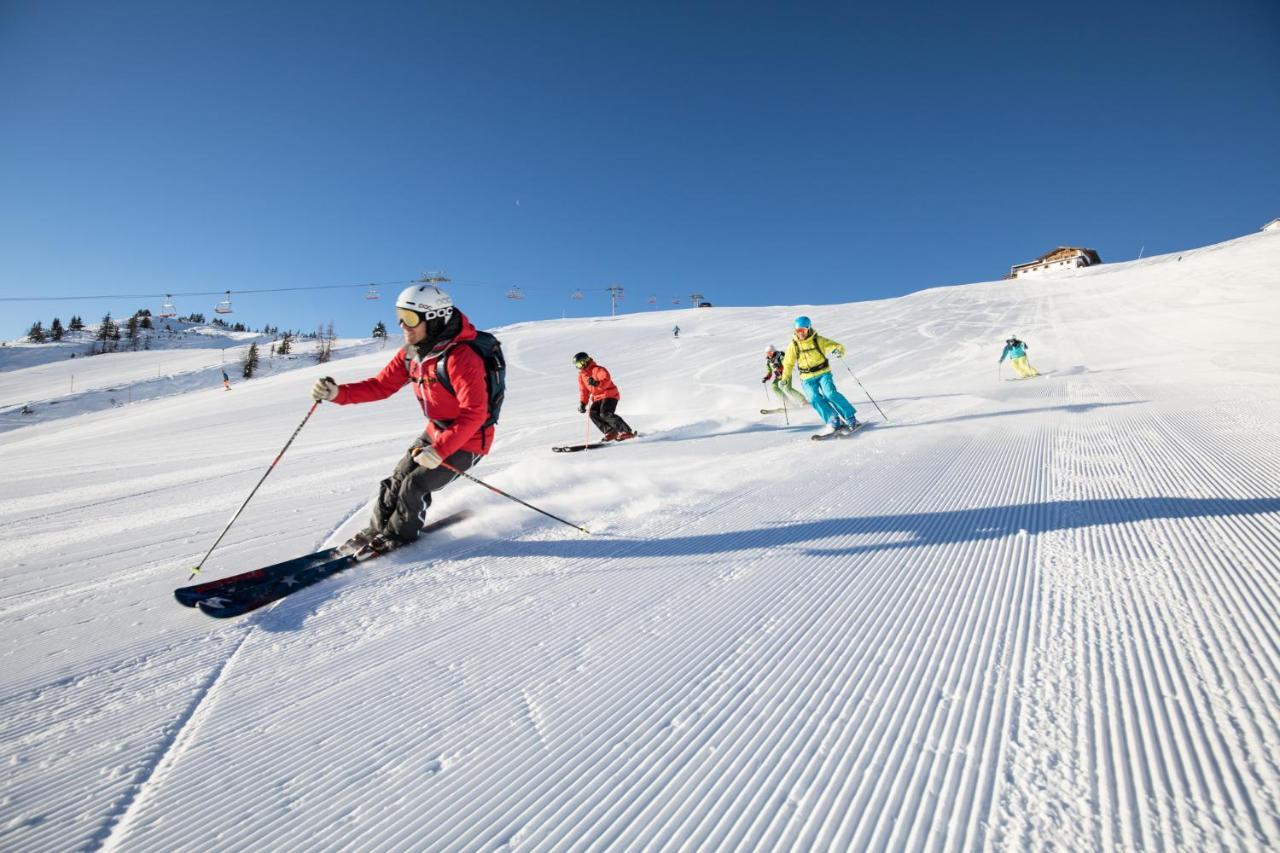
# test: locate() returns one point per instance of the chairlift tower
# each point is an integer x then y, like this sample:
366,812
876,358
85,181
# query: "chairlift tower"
437,277
696,299
615,293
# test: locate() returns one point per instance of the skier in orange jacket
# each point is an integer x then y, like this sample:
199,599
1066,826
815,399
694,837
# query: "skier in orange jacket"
596,386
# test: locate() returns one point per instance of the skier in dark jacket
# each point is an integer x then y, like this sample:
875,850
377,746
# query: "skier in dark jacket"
596,385
773,370
455,434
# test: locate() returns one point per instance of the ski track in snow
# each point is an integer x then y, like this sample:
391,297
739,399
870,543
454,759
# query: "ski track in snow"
1017,615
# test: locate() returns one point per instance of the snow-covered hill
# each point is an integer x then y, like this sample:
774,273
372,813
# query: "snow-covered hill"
50,381
1016,614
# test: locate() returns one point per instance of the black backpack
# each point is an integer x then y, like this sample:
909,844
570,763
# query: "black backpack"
489,349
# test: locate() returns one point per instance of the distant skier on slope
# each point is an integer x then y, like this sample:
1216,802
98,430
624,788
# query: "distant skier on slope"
1016,350
675,332
226,381
457,431
773,370
808,352
597,386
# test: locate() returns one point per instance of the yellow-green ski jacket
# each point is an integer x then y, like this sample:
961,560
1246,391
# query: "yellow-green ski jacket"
809,355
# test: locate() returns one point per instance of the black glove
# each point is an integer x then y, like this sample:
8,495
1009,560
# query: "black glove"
766,379
582,407
591,382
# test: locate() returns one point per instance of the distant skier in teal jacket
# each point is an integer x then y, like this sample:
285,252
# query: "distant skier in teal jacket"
1016,350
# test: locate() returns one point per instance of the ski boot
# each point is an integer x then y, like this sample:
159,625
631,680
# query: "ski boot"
369,543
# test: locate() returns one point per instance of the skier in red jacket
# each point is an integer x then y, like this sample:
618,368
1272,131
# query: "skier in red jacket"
596,385
455,431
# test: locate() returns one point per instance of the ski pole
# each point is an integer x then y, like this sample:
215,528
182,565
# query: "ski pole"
786,416
270,468
514,498
586,428
864,390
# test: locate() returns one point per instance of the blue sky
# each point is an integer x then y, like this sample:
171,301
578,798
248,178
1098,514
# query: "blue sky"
757,153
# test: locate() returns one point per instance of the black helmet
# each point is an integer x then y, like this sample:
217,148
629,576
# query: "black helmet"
580,359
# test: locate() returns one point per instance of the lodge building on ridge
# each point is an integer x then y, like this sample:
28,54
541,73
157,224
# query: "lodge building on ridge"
1061,258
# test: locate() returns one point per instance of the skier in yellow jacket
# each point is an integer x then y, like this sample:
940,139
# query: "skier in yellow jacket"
807,353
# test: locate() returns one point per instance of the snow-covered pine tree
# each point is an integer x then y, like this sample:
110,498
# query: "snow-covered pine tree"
107,329
250,362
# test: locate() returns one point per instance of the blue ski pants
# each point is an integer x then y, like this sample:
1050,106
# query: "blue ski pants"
829,403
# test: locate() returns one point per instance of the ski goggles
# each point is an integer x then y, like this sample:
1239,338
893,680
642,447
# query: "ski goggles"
410,319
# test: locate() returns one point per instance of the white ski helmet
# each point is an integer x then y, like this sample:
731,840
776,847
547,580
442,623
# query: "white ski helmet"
426,300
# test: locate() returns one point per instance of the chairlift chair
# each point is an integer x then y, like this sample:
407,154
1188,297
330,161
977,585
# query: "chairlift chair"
372,293
167,310
514,293
653,300
577,294
223,307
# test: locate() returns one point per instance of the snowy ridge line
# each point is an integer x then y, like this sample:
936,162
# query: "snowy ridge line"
168,752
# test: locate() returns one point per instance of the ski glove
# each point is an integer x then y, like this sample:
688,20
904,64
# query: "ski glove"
428,458
324,389
592,382
839,351
582,408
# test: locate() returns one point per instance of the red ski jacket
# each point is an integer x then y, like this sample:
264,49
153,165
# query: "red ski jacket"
595,383
453,420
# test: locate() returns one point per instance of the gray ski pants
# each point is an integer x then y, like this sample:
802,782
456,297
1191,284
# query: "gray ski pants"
403,498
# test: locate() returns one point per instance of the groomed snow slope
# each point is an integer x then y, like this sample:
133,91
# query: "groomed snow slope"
1018,614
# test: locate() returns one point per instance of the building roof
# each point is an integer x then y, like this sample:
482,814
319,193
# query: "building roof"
1066,252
